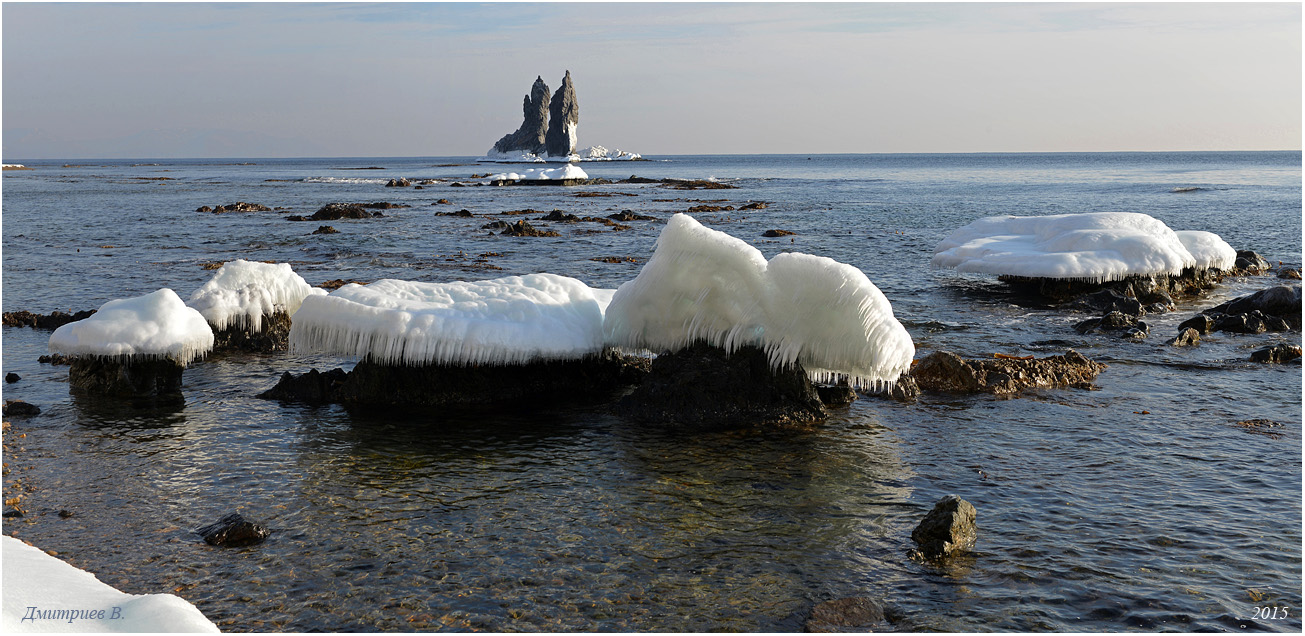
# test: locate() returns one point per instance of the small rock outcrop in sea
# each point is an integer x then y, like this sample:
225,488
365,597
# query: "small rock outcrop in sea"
325,229
19,408
1277,354
248,305
1289,273
778,233
702,387
12,377
948,372
273,336
1187,337
1249,263
948,530
522,228
337,211
238,206
1275,309
563,118
531,136
379,385
53,320
856,613
233,531
1116,323
401,182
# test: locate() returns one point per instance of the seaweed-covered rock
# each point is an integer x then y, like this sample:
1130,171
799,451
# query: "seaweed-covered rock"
948,530
325,229
845,614
233,531
946,371
558,215
1289,273
1277,354
522,228
703,387
52,320
336,211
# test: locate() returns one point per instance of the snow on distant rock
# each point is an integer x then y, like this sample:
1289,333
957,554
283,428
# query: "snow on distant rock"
542,174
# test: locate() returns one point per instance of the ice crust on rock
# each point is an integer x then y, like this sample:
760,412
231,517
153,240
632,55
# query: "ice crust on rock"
542,174
242,292
1096,247
33,578
512,320
156,325
705,285
599,153
1209,250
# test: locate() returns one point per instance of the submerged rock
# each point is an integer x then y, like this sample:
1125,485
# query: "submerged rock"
19,408
530,136
325,229
703,387
125,377
1115,323
52,320
522,228
564,117
777,233
948,530
627,215
1277,354
946,371
845,614
233,531
12,377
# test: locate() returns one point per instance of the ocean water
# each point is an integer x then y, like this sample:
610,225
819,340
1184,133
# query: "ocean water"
1141,506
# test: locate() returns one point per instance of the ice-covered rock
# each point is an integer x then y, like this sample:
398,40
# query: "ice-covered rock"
564,117
1095,247
599,153
704,285
1209,250
62,598
530,137
242,292
154,326
568,171
512,320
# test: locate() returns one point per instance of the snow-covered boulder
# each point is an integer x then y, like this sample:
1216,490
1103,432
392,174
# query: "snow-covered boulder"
1095,247
599,153
45,594
512,320
564,173
249,304
134,346
702,285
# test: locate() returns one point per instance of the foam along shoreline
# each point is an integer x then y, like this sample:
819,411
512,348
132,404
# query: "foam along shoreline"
45,594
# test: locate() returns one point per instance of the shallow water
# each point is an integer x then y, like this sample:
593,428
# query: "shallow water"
1138,507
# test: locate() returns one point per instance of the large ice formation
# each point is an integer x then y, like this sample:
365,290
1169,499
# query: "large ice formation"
1095,247
512,320
704,285
156,325
242,292
34,579
542,174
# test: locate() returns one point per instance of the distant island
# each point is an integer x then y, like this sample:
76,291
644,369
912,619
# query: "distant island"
548,131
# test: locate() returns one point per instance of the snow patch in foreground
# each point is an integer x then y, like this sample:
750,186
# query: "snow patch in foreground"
156,325
705,285
1097,247
34,579
512,320
542,174
242,292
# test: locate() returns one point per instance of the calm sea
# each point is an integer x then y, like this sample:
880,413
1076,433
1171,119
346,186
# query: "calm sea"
1141,506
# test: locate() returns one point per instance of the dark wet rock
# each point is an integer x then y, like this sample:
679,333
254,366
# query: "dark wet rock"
55,358
563,118
1187,337
1147,290
401,182
616,227
442,202
313,387
522,228
1249,264
835,395
64,514
418,187
616,259
455,184
496,225
627,215
325,229
1289,273
53,320
531,135
1250,323
637,179
12,377
905,390
946,371
233,531
275,336
754,205
948,530
1277,354
696,184
702,387
777,233
203,208
709,208
336,211
127,378
558,215
462,213
1115,323
19,408
845,614
334,284
1108,300
1260,426
1283,301
1202,323
14,513
382,205
238,206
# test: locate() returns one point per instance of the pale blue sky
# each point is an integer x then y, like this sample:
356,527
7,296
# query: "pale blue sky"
412,79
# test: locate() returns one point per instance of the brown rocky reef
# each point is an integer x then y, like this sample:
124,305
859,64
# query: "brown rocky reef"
1273,309
52,320
946,371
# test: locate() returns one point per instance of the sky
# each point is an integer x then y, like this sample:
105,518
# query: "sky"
164,80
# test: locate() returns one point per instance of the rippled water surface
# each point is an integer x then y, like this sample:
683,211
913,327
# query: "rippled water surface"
1141,506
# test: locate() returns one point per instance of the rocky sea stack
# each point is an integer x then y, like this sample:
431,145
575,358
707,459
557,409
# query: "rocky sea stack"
534,126
564,116
548,126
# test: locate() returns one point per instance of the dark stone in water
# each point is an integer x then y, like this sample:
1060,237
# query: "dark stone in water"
1277,354
125,378
627,215
946,371
522,228
233,531
275,336
1110,300
401,182
325,229
336,211
777,233
64,514
558,215
19,408
845,614
703,387
55,358
1289,273
1201,323
51,321
1283,301
1146,290
313,387
1187,337
835,395
1249,263
948,530
12,377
